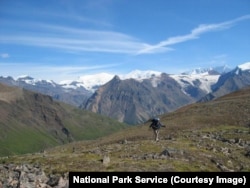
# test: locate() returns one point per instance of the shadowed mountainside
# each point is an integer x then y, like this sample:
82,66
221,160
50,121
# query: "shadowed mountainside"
31,122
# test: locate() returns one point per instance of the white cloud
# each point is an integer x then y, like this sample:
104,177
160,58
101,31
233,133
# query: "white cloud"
194,34
75,40
77,44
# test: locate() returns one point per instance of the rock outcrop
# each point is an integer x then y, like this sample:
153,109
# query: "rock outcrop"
29,176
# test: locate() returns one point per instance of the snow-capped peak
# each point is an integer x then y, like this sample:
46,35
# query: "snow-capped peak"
211,71
32,81
140,75
27,79
204,80
198,71
24,77
90,82
93,81
244,66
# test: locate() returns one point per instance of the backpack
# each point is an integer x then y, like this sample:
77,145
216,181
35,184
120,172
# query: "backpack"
155,123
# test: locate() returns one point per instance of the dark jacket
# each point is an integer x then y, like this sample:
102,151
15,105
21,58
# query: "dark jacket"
156,124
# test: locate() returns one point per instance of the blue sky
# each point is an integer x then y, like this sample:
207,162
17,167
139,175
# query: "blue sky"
65,39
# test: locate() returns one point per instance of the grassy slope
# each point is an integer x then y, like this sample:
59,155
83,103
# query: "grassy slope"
86,125
209,136
31,122
18,138
190,151
22,139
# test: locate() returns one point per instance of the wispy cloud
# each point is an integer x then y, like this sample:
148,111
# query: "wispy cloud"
74,39
194,34
74,44
77,40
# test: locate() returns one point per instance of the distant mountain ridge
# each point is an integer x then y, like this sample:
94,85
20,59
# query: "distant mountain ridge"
229,82
157,93
77,92
134,101
73,96
211,70
92,82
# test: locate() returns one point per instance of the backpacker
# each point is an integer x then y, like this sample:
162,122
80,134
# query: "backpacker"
155,123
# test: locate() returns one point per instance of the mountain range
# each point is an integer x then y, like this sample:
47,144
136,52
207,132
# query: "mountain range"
70,95
139,95
231,81
134,101
207,135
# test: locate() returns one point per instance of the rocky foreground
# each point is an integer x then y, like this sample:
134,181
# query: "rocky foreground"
29,176
220,149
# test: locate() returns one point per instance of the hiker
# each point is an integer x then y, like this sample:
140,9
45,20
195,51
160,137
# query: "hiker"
156,125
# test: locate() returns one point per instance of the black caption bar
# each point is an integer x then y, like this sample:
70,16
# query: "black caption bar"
171,179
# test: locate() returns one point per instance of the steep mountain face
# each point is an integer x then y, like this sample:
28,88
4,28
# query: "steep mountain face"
134,101
24,114
31,122
229,82
71,94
